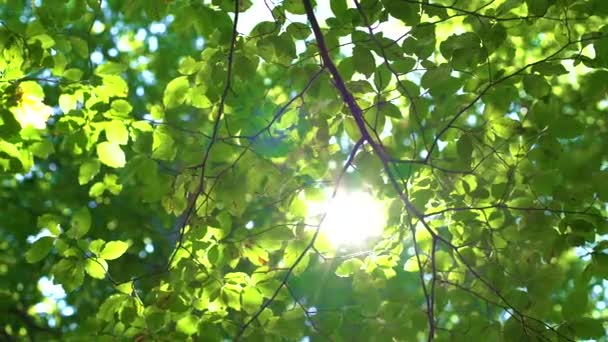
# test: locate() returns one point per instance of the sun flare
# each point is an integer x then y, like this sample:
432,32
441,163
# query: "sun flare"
352,217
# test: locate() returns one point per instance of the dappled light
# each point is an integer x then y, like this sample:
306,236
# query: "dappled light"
300,170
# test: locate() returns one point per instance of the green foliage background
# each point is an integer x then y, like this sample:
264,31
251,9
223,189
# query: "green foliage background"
156,162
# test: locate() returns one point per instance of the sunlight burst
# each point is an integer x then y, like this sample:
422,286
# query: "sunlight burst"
352,217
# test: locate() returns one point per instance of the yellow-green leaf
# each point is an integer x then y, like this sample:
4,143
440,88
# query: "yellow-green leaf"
349,267
116,132
163,146
176,92
67,102
187,325
126,288
113,250
96,268
110,68
88,170
111,154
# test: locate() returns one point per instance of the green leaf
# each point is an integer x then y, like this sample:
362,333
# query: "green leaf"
514,331
87,171
126,287
409,13
252,299
50,222
273,147
120,108
111,154
537,7
96,245
110,306
188,66
505,127
113,250
156,319
576,303
80,46
382,77
390,109
80,223
231,297
403,65
67,102
284,48
363,61
549,68
411,265
298,30
197,97
464,50
39,249
352,129
163,146
45,40
114,85
566,126
256,255
42,149
536,86
587,328
176,91
73,74
104,137
601,50
294,6
96,268
116,132
465,41
338,7
12,151
68,272
439,82
465,148
187,325
349,267
293,253
110,68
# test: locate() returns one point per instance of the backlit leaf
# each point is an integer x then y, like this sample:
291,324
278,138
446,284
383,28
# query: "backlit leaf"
176,91
113,250
96,268
187,325
349,267
111,154
88,169
116,132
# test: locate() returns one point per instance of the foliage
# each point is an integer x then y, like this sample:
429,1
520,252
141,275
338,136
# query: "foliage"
158,162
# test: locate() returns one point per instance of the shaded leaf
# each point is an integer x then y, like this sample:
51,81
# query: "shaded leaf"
39,249
80,223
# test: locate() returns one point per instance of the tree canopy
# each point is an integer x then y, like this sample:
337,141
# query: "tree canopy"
167,169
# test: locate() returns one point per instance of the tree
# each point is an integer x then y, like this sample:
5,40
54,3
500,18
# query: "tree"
161,162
